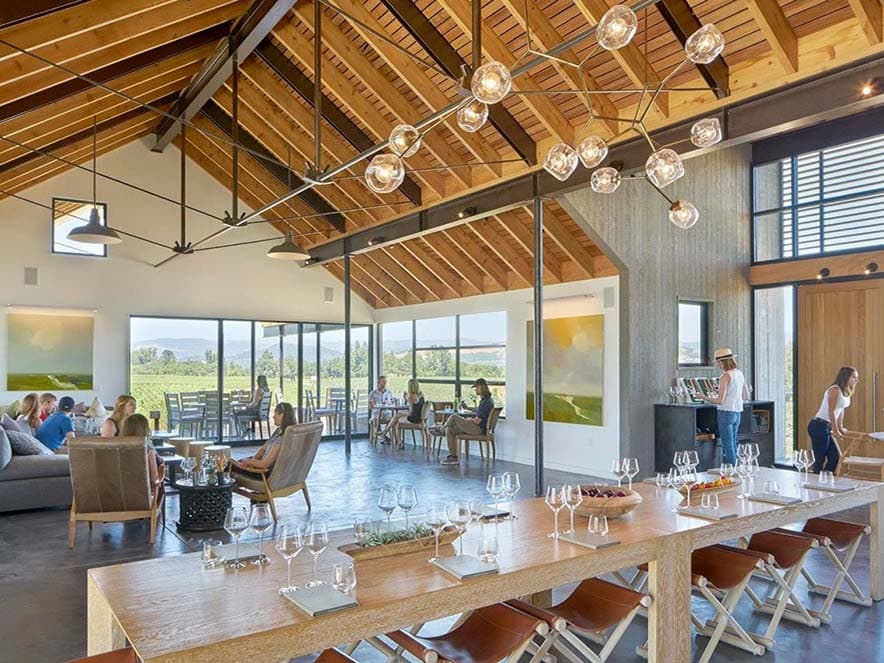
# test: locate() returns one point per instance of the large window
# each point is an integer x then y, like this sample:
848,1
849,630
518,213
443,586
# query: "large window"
774,314
179,357
820,202
446,355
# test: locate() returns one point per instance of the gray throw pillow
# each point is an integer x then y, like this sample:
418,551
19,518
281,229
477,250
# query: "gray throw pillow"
11,424
5,449
24,444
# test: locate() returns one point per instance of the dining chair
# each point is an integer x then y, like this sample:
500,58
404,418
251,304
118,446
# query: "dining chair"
436,431
309,407
597,609
111,482
192,410
359,409
486,439
421,426
496,632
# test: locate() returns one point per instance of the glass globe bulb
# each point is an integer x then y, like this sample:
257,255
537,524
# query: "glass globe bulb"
592,151
664,167
706,132
617,27
472,117
605,180
704,45
385,173
491,83
683,214
561,161
405,140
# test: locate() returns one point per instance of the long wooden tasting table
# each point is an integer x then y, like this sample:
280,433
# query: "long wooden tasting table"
170,610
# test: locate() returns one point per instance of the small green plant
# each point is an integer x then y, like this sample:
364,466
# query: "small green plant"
387,538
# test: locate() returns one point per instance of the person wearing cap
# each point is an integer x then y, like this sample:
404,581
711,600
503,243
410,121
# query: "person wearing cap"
732,391
478,425
58,427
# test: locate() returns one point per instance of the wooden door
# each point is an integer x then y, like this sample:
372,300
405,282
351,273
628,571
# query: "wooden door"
841,324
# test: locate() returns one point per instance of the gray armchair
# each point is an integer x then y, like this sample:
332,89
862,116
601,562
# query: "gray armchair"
289,473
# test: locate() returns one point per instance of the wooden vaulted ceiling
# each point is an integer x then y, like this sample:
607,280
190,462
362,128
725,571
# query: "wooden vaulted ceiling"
153,50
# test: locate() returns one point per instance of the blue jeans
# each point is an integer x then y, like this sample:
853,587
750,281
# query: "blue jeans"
824,447
728,424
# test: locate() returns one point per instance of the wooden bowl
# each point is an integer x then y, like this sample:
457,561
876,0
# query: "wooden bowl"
356,551
612,507
708,491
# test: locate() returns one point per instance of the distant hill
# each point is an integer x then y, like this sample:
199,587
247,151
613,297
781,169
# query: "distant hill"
234,351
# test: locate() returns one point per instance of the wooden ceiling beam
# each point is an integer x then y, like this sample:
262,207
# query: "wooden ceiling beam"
19,12
569,243
777,31
414,266
385,265
419,82
342,45
474,248
370,298
449,253
682,21
367,273
545,36
440,49
245,35
523,233
431,260
630,57
491,232
334,116
110,72
219,117
496,49
870,15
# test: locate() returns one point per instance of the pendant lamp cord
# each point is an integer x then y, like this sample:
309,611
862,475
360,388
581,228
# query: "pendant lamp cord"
94,164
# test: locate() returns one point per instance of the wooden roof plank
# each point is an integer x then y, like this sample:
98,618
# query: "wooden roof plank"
777,31
870,15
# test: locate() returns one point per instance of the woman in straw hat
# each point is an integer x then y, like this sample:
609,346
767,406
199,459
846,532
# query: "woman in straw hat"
732,391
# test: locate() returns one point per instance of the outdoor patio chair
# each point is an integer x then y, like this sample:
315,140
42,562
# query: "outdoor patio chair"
261,418
173,409
289,473
192,409
111,482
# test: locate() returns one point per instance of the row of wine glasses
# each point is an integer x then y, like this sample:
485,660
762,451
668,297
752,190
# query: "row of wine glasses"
458,514
747,469
500,485
390,497
291,540
803,460
624,467
237,520
686,460
568,496
748,450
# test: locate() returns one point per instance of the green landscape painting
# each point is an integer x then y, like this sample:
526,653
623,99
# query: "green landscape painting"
49,352
573,369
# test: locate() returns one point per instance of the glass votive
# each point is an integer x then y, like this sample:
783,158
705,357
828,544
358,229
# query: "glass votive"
662,479
827,477
211,556
709,501
487,550
771,488
344,577
362,529
598,525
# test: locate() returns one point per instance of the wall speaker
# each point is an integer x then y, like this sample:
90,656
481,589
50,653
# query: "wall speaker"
31,276
329,295
608,297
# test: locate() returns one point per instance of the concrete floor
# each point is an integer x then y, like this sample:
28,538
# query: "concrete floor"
43,584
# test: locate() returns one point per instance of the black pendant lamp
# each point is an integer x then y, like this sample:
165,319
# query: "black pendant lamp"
94,232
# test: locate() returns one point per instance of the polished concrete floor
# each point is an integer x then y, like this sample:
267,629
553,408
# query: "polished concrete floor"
43,586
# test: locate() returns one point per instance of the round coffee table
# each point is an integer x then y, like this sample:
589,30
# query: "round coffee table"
202,508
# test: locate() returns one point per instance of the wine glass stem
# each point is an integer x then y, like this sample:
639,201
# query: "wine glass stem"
389,524
288,561
630,483
511,506
463,533
437,533
556,517
260,546
572,518
236,549
406,519
315,568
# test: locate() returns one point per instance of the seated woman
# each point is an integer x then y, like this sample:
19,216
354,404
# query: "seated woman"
252,409
30,412
414,397
124,407
265,457
137,425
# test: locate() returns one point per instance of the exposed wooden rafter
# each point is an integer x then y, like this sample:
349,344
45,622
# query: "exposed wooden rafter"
870,15
777,31
18,12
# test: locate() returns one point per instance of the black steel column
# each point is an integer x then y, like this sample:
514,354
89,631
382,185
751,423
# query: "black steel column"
300,372
347,353
538,347
220,358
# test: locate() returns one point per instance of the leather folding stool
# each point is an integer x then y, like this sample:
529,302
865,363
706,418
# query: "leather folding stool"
593,609
333,656
489,635
125,655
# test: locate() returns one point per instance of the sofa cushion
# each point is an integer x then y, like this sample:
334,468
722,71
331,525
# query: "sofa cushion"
11,424
36,467
5,449
25,444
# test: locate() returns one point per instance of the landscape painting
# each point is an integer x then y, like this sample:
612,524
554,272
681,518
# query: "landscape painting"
49,352
573,369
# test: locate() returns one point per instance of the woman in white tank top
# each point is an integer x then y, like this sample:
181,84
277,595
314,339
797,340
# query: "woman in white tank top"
732,391
826,429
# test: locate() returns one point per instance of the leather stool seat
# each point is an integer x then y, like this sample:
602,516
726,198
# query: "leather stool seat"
333,656
126,655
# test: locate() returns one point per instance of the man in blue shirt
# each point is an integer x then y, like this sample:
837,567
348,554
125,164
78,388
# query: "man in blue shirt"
58,427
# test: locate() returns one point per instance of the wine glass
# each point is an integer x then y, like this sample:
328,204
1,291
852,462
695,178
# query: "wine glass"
316,542
754,471
630,468
689,480
692,459
618,470
387,502
459,515
406,498
437,519
572,496
743,451
743,469
187,466
727,470
511,486
236,521
678,459
811,461
261,520
344,577
555,501
494,485
289,543
754,451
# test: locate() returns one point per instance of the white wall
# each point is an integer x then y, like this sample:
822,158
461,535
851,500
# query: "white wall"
582,449
236,282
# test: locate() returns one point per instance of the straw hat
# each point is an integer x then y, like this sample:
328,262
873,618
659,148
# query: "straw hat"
723,353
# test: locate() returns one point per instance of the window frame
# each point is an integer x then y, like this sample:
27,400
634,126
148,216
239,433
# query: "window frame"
705,306
52,250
